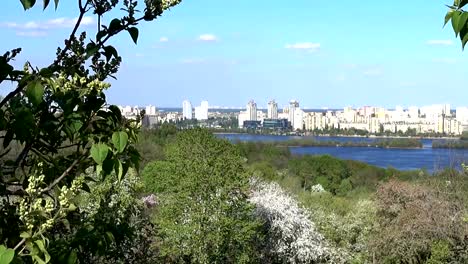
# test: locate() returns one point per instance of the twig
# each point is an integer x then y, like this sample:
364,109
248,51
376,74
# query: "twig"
19,244
64,174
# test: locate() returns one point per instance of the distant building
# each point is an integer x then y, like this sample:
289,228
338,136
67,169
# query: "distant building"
280,124
296,115
252,110
187,112
272,110
150,110
201,112
251,124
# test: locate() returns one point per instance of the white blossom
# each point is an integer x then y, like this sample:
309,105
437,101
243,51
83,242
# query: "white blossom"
292,237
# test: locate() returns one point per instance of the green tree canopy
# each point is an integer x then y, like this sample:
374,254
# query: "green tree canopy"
203,212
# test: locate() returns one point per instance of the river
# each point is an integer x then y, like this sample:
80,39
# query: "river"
401,159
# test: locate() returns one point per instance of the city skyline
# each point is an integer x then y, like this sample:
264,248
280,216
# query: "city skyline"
326,55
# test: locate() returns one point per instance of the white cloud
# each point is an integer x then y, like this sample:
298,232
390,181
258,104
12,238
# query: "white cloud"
440,42
207,37
55,23
163,39
34,34
139,55
304,46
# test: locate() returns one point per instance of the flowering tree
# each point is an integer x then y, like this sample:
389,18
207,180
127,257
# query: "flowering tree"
290,236
56,123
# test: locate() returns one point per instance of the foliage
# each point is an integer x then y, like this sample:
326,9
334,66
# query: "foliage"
459,20
324,170
290,235
203,215
151,142
110,227
56,124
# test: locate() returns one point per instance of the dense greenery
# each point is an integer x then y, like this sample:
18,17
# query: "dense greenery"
55,127
203,214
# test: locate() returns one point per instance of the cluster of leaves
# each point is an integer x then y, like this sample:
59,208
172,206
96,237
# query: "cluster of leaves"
56,124
459,20
203,214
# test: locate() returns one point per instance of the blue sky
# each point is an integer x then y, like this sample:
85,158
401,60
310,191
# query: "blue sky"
323,53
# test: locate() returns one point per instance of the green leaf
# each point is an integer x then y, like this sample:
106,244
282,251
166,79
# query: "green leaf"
56,4
35,92
98,169
133,33
25,235
38,259
101,34
91,49
99,152
115,25
72,257
448,16
6,255
46,3
455,19
28,3
462,3
118,169
119,139
110,51
40,245
462,21
464,40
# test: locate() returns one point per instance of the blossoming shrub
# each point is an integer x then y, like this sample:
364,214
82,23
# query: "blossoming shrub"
290,235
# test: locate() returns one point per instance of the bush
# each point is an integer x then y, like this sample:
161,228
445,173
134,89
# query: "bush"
412,218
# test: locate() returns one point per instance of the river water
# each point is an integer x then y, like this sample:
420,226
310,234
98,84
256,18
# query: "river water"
402,159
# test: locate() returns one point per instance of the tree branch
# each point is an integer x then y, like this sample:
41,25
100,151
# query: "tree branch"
64,174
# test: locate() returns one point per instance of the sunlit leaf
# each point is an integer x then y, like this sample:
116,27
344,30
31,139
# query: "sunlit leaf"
6,255
35,92
99,152
119,139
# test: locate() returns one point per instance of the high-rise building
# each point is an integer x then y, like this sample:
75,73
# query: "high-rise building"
201,112
272,110
150,110
187,109
252,110
293,106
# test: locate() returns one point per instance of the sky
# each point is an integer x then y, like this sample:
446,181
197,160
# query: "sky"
322,53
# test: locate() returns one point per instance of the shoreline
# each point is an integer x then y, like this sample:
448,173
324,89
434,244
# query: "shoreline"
349,136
